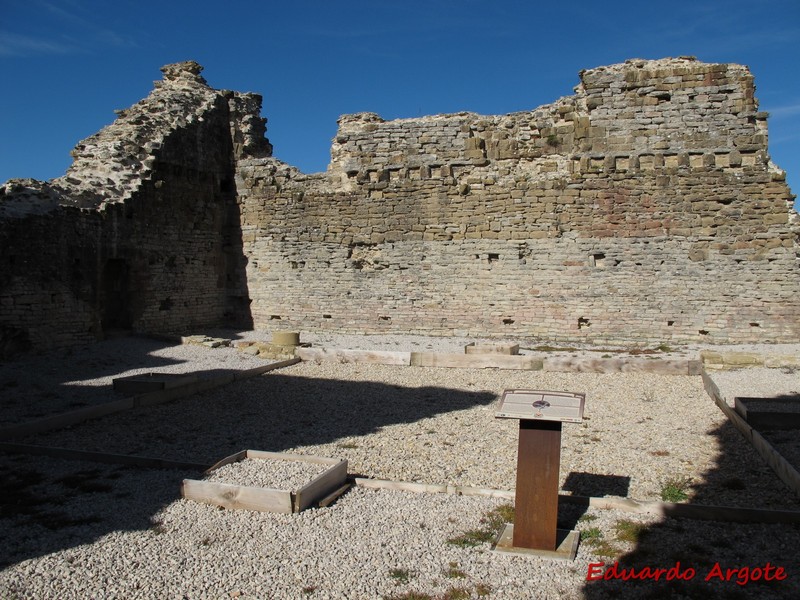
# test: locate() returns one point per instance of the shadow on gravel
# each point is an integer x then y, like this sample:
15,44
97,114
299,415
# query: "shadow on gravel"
273,412
36,386
53,504
50,504
701,552
592,484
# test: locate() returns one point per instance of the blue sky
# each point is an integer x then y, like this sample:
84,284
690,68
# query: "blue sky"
67,64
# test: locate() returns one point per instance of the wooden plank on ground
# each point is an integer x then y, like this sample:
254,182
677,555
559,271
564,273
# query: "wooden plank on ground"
475,361
473,348
378,357
769,413
321,460
487,492
151,382
202,385
237,496
247,373
168,395
405,486
236,457
785,470
331,498
321,486
80,415
331,479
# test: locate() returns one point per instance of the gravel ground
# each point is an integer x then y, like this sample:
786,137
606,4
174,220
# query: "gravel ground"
288,475
62,380
83,530
757,383
128,537
438,426
767,383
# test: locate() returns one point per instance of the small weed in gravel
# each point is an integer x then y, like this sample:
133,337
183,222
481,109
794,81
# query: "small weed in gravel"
457,593
591,534
158,529
550,349
492,522
675,489
401,575
630,531
500,516
594,538
453,572
604,549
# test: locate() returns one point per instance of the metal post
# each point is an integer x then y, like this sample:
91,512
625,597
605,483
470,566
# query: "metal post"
535,529
538,462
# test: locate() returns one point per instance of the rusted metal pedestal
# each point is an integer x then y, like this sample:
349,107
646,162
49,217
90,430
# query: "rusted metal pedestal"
535,528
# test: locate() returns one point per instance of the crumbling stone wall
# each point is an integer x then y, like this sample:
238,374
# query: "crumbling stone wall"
142,232
642,208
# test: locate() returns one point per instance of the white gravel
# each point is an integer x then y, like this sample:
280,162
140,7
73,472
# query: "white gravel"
757,382
69,379
289,475
83,530
438,426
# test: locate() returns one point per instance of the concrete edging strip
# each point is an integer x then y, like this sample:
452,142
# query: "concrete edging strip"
342,355
666,509
504,361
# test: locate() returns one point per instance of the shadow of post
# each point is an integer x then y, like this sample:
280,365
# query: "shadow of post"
592,484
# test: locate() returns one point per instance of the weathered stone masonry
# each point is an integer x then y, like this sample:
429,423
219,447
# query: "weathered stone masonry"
642,208
140,232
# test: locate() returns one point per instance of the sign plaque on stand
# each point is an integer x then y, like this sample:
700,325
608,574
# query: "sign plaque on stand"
540,415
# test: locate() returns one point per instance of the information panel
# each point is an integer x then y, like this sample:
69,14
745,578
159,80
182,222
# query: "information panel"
566,407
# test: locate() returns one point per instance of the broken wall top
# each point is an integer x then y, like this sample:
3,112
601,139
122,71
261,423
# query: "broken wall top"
109,166
640,114
640,108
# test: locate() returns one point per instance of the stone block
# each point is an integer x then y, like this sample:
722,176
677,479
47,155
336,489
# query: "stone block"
473,348
731,360
475,361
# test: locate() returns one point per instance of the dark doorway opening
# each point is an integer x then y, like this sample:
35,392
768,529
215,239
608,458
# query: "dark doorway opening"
115,296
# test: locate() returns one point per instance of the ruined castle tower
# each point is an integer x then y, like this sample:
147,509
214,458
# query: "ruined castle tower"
643,208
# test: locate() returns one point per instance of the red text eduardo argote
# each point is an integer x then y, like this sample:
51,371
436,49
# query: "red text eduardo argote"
742,575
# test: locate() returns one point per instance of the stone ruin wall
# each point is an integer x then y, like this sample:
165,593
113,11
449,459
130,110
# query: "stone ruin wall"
643,208
135,236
